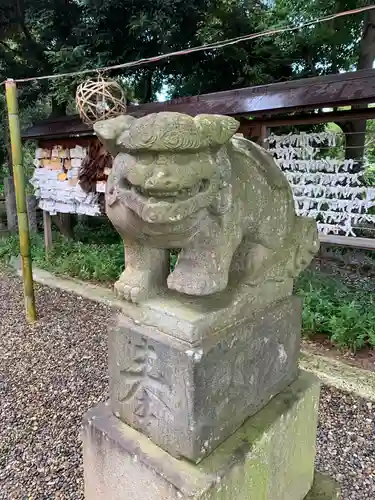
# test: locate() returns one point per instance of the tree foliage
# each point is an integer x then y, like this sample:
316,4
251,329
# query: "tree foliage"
328,47
39,37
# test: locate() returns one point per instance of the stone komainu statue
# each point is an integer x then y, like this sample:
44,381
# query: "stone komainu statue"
192,184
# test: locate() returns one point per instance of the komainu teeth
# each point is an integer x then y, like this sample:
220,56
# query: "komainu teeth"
183,194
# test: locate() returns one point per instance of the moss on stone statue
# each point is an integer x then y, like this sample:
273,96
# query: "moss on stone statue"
272,455
324,488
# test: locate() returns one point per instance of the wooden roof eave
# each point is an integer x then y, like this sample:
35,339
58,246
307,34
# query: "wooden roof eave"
302,95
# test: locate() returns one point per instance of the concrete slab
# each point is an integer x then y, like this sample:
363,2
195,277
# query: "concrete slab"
340,375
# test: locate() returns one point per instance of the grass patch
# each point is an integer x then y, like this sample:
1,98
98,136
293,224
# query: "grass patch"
345,313
101,260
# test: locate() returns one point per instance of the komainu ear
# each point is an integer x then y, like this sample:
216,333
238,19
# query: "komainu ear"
216,129
109,130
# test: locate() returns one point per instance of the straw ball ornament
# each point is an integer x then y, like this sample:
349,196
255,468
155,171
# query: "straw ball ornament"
99,100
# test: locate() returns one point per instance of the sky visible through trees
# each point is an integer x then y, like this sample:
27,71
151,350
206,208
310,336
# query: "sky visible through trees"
39,37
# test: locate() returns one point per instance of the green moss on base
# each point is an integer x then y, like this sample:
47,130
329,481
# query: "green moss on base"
324,488
272,454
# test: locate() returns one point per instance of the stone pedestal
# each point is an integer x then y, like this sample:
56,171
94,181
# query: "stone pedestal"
206,402
271,457
188,397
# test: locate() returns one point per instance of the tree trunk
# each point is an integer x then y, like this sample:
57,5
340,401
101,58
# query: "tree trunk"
8,147
32,205
3,214
148,90
58,109
10,204
355,131
355,137
65,224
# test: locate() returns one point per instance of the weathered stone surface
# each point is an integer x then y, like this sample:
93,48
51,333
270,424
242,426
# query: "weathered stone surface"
188,397
193,319
191,183
271,457
324,488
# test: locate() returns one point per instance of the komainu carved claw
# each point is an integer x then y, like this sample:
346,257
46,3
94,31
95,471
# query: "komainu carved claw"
199,282
203,284
136,286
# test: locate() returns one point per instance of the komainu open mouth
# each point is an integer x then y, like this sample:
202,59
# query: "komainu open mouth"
168,195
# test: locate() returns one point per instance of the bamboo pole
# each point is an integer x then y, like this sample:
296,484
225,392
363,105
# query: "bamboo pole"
19,184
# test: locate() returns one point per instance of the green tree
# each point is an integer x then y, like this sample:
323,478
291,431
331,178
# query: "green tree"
39,37
249,63
342,44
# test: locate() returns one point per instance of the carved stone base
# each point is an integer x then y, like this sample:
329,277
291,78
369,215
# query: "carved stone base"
271,457
192,319
189,397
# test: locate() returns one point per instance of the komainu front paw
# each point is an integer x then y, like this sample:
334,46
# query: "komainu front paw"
136,286
199,282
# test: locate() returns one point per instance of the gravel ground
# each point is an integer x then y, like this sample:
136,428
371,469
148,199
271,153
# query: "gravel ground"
53,371
346,443
50,375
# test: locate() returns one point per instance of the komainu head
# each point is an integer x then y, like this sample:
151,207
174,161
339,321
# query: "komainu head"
167,165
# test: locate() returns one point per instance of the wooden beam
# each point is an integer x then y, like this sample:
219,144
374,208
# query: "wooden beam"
337,90
348,241
4,233
315,118
47,228
264,131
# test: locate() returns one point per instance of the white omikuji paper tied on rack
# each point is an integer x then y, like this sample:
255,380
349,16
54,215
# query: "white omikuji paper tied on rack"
56,196
323,188
100,187
78,152
76,162
42,153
